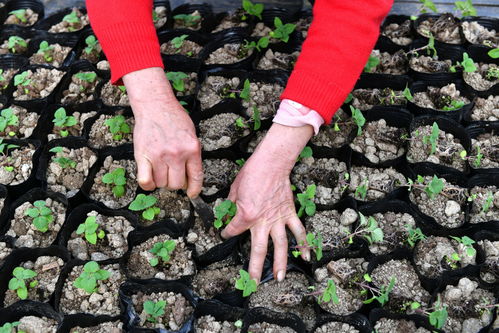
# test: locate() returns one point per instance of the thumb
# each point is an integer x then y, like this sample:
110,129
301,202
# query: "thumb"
144,172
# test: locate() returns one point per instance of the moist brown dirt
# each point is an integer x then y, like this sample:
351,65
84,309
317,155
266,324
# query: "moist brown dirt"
57,56
332,137
482,79
475,33
218,175
220,131
425,64
489,144
188,49
265,327
230,53
5,250
232,20
26,123
486,109
100,135
5,77
336,326
208,324
394,226
490,269
485,206
445,28
214,89
79,91
265,97
113,96
379,182
30,18
395,64
399,33
210,282
365,99
37,324
278,60
20,159
43,82
203,239
65,26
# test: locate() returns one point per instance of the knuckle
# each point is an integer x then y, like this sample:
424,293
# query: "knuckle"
259,249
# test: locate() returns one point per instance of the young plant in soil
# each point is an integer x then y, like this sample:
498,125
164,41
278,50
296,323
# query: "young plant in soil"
91,230
154,310
88,77
465,7
470,251
414,235
22,80
358,118
46,50
381,295
282,31
252,9
8,118
41,214
146,204
4,151
17,44
89,276
177,42
20,14
437,314
63,162
188,20
118,127
117,180
73,21
177,80
92,49
368,229
19,282
306,201
9,327
245,283
163,251
314,242
63,121
224,213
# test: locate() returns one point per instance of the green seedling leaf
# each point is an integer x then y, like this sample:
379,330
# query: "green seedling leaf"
306,201
146,204
18,282
371,64
188,19
465,7
118,126
154,310
91,43
428,4
494,53
315,243
245,283
177,42
329,294
89,277
116,179
245,93
90,228
224,212
163,251
282,31
42,215
86,76
20,14
252,9
177,80
434,187
8,118
358,118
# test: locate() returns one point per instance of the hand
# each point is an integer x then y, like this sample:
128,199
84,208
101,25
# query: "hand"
265,206
167,151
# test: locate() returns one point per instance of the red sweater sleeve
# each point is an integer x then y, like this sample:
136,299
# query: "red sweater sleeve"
126,33
337,47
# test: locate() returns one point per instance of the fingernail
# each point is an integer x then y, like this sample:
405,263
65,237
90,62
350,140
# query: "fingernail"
280,276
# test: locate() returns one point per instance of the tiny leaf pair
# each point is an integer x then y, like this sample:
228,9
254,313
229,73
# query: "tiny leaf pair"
146,204
117,179
90,229
41,214
89,277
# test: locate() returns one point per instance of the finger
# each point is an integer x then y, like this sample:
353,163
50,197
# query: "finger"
298,230
278,233
259,242
161,175
236,227
176,176
194,169
144,173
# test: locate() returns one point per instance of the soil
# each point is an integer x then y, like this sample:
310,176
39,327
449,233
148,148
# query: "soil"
475,33
43,82
407,286
394,226
65,26
395,64
430,256
180,24
113,246
188,49
232,20
58,54
94,55
326,173
488,143
100,136
265,97
478,214
161,15
261,30
220,131
259,136
336,326
180,264
438,98
208,324
278,60
465,306
289,295
177,310
218,175
5,250
107,327
103,192
30,324
480,80
365,99
76,130
265,327
446,207
79,91
379,182
445,29
303,24
30,18
400,34
48,270
173,205
190,85
68,181
17,49
486,109
490,269
103,65
385,325
227,54
25,125
203,239
430,65
27,235
329,137
344,273
380,142
210,282
7,75
113,96
212,90
21,161
447,150
104,301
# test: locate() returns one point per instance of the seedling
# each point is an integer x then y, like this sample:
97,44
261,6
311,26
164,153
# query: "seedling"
478,157
465,7
89,277
494,53
454,105
18,282
257,121
63,162
41,214
122,89
3,85
4,150
118,127
238,323
305,153
306,201
47,51
358,118
438,316
468,64
407,94
371,64
22,80
146,204
188,19
155,16
382,294
361,190
86,76
240,162
329,294
20,14
241,123
245,93
488,202
315,243
116,179
467,243
177,42
73,20
432,139
224,212
177,79
62,120
245,283
15,41
91,43
414,235
90,228
252,9
262,43
154,310
282,31
492,74
427,4
162,250
9,327
372,233
435,186
8,118
430,47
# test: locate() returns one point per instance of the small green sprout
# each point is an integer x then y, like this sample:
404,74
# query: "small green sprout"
63,162
438,316
430,47
42,215
91,43
414,235
9,327
463,154
8,118
492,74
47,51
154,310
407,94
122,89
435,186
245,93
238,323
118,127
62,120
240,162
177,42
329,294
89,277
384,292
90,228
4,147
467,243
427,4
478,157
177,79
241,123
494,53
306,201
371,64
432,139
146,204
361,190
465,7
315,243
86,76
282,31
224,212
22,79
262,43
454,105
16,41
155,16
488,202
162,250
18,282
71,17
305,153
252,9
468,64
189,19
20,14
245,283
358,118
117,179
374,234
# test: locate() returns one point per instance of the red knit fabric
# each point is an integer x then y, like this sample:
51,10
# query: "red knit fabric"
338,45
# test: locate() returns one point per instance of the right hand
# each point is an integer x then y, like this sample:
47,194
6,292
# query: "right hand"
167,151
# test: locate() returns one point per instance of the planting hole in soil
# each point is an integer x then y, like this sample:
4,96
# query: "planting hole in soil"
216,88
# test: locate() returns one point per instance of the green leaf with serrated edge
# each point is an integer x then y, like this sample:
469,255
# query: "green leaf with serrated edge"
154,262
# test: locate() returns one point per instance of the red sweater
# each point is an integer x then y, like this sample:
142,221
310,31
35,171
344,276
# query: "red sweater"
338,45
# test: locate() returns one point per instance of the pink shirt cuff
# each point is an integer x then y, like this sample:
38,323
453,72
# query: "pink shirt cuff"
294,114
